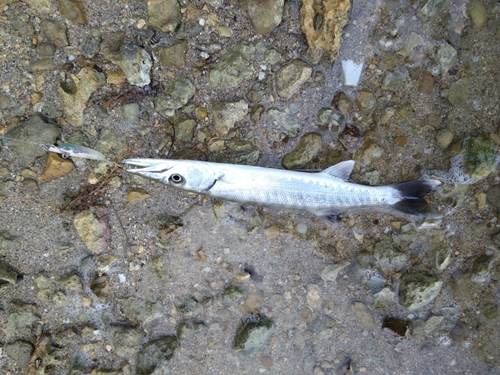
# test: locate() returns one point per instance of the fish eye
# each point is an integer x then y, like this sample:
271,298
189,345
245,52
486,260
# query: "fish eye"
176,179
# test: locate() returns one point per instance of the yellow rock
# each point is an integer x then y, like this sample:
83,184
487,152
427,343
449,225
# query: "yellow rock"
56,167
137,194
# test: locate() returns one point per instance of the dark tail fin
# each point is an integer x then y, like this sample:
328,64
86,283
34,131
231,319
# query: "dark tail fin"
412,194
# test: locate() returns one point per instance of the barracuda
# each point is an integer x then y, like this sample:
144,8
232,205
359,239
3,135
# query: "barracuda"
326,193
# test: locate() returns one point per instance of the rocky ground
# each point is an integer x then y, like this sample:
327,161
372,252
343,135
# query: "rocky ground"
107,273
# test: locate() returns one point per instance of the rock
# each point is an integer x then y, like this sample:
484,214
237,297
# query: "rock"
481,269
6,101
489,306
230,294
366,101
291,77
433,323
42,65
331,272
75,93
284,121
184,129
426,83
253,333
393,81
446,57
93,232
23,25
130,112
56,167
5,189
384,298
155,355
234,67
443,137
458,93
418,290
493,197
400,140
54,32
414,40
176,94
73,10
388,260
101,288
138,310
364,314
72,282
323,25
187,329
368,152
136,195
307,148
132,59
226,114
313,296
20,352
7,276
480,159
264,15
164,14
478,13
324,116
8,243
34,130
22,319
45,49
111,145
189,308
126,340
43,6
201,113
173,56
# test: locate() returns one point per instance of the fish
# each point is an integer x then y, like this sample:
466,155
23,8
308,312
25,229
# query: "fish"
70,150
326,194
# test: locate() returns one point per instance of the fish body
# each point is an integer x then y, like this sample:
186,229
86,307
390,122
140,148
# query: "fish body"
325,193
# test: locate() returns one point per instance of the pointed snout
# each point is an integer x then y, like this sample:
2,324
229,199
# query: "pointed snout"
150,168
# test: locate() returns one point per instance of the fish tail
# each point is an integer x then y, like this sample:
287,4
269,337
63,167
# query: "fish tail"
411,195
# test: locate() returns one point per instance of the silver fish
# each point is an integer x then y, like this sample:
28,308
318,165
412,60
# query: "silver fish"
326,193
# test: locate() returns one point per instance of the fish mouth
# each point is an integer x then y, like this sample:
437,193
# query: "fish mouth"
146,165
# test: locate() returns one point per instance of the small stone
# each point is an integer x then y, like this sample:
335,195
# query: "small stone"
126,340
481,199
7,101
302,228
291,77
42,65
234,67
446,57
23,25
86,301
20,352
478,13
400,141
189,308
393,81
266,362
130,112
137,194
184,129
54,32
432,323
56,167
137,309
366,101
271,232
458,93
187,329
36,97
93,232
176,94
201,113
313,295
253,333
8,243
164,14
7,276
418,290
368,152
364,314
426,83
307,148
225,31
173,56
253,302
111,145
73,10
101,287
264,15
384,298
444,137
324,116
493,196
115,78
226,114
230,294
331,272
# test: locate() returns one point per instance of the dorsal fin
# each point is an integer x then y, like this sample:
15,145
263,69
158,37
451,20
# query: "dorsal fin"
341,170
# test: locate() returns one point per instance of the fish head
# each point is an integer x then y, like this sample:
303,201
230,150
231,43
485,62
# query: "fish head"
188,175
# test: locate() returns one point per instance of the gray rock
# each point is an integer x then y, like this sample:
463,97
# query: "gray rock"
324,116
226,114
111,145
42,65
307,148
6,101
46,49
187,329
130,112
431,9
20,352
164,14
176,94
173,56
234,67
433,323
134,61
393,81
8,243
139,310
414,40
34,130
92,48
23,317
444,137
493,198
93,232
126,340
388,260
331,272
189,308
364,314
418,290
73,10
446,57
7,276
481,269
184,128
54,32
23,25
284,121
458,93
384,298
313,295
368,152
253,333
231,293
264,15
155,355
72,282
291,77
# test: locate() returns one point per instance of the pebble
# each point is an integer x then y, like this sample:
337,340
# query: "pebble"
136,195
54,32
302,228
446,57
93,232
56,167
226,114
443,137
266,362
307,148
264,15
271,232
313,295
164,14
364,314
426,83
493,196
291,77
73,10
45,49
477,12
42,65
173,56
131,112
400,140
